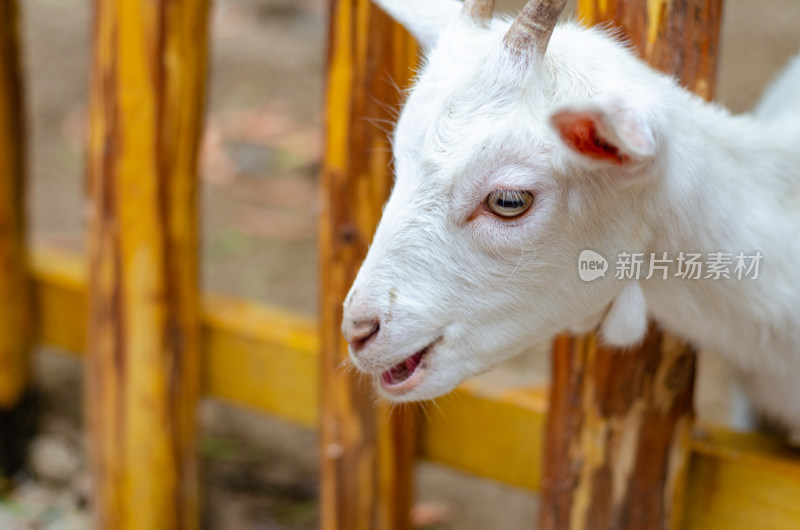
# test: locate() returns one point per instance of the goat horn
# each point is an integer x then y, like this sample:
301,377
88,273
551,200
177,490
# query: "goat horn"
532,29
479,10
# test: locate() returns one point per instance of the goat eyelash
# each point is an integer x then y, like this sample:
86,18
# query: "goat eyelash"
509,204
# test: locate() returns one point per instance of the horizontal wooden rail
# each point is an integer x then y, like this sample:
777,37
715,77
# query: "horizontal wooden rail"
267,359
253,355
741,481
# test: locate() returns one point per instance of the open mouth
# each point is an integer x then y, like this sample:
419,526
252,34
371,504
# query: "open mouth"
406,375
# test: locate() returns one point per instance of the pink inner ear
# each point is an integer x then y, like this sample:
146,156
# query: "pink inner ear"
580,132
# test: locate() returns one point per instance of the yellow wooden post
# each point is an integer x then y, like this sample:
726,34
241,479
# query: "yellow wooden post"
619,426
367,452
16,322
147,100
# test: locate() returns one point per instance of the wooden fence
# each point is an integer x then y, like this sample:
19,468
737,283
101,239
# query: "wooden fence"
155,344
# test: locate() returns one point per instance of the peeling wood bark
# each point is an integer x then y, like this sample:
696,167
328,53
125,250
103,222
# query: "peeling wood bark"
619,425
367,451
143,370
617,435
679,37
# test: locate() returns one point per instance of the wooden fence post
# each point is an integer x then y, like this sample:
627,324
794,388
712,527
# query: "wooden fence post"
367,452
619,423
16,319
143,380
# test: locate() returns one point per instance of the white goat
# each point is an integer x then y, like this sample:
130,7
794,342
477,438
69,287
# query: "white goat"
516,151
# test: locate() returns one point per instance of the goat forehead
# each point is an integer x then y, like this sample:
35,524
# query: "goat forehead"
457,105
458,151
446,119
445,123
490,82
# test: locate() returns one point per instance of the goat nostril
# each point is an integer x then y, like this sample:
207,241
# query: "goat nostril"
360,333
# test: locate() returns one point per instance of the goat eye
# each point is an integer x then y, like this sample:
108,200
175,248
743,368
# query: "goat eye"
509,203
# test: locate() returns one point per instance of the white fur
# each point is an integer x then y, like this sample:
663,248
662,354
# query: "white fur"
698,179
626,321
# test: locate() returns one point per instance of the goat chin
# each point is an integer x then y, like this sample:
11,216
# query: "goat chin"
617,159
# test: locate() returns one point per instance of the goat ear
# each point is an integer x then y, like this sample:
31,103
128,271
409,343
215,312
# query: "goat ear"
625,324
425,19
605,132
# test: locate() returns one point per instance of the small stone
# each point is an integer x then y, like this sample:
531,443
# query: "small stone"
430,513
334,451
54,459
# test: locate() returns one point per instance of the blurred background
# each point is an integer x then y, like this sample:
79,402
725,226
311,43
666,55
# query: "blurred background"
261,157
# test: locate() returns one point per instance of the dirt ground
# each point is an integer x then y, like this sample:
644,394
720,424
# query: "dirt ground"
260,163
